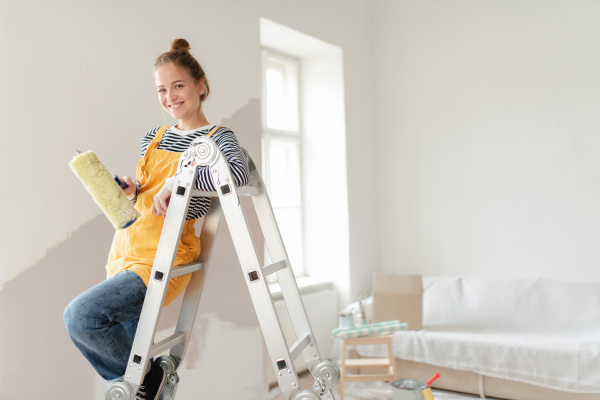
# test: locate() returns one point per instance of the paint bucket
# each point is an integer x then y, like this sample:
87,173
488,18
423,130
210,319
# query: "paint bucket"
408,389
346,320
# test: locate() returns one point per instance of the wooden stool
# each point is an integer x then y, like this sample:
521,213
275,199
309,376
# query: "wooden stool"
366,363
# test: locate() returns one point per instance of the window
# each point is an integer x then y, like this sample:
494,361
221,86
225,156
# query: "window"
308,74
281,151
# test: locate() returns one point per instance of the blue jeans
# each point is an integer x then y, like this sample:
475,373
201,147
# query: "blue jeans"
102,322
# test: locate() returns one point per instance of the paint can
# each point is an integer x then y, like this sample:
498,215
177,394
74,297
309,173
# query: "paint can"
408,389
346,320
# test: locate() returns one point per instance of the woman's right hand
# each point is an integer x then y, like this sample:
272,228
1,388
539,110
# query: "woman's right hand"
130,189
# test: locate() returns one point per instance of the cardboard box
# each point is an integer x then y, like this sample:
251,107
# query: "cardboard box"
398,297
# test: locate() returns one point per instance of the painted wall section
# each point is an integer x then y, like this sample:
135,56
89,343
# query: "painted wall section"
488,120
32,305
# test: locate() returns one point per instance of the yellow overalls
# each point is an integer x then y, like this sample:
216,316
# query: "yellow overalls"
134,248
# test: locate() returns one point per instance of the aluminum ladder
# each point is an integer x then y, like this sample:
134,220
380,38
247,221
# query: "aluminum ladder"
169,352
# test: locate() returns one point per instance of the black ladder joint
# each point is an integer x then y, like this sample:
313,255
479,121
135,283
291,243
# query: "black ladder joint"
180,191
253,276
159,276
226,189
281,365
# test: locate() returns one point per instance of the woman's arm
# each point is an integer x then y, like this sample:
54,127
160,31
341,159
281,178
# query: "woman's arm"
238,164
232,151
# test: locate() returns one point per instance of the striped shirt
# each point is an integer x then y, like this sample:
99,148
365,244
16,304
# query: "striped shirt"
175,140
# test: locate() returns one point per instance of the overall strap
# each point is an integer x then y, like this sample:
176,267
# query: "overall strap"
156,141
141,167
160,133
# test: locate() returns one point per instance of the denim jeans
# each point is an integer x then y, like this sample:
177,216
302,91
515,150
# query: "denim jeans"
102,322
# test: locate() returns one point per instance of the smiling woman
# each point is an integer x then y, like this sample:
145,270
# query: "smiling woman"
182,85
102,321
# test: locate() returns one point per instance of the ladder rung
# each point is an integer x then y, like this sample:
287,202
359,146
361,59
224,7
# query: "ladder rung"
187,268
166,344
247,190
299,346
270,269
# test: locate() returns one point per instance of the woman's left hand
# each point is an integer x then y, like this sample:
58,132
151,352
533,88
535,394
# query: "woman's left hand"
161,201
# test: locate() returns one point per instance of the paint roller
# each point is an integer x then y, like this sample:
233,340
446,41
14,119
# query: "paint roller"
427,394
107,192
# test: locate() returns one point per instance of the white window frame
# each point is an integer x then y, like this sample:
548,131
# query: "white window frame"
293,135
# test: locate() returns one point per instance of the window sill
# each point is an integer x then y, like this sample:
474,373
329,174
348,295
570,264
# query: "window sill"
306,285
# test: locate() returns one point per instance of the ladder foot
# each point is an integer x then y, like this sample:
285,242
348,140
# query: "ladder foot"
327,372
168,363
118,391
170,387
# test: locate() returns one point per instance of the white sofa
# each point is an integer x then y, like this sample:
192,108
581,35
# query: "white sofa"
510,338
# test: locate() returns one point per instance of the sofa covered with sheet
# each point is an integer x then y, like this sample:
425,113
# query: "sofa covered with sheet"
515,338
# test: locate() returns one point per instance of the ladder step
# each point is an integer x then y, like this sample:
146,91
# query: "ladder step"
271,269
166,344
247,190
299,346
187,268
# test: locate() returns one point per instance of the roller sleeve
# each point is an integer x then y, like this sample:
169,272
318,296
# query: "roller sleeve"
105,191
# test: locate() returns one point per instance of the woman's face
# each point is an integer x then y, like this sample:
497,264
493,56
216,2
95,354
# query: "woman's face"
178,94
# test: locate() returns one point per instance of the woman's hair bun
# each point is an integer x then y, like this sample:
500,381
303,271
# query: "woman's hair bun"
180,45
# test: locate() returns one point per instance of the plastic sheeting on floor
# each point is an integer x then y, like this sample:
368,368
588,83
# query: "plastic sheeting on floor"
383,391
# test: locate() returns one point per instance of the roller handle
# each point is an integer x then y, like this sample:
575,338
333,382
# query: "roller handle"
432,379
122,184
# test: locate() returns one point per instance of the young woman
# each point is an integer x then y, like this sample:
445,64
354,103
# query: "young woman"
102,321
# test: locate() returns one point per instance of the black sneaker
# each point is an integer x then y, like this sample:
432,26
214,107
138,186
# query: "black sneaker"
153,383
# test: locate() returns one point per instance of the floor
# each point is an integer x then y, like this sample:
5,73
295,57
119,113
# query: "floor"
373,391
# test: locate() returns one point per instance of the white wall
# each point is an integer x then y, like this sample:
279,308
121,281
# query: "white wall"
472,130
79,75
488,121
